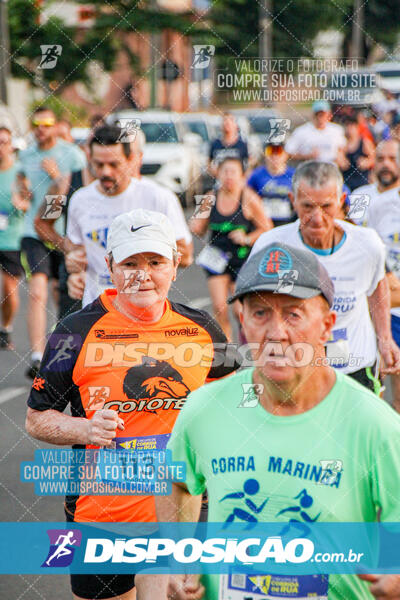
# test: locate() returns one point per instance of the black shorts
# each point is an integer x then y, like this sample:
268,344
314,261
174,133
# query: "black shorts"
362,377
232,269
10,262
98,587
40,259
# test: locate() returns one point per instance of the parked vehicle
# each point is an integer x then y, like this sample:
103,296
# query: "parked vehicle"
388,76
80,135
171,152
352,90
259,120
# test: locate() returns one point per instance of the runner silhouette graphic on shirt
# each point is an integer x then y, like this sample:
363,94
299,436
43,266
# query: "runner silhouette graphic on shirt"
62,549
63,346
250,487
305,501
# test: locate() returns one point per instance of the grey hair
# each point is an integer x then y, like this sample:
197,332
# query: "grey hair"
317,174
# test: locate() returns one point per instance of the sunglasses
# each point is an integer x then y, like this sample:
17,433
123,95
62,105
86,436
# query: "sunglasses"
44,122
269,150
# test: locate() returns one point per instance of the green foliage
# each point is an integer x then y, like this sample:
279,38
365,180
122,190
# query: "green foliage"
295,24
233,26
381,25
100,42
75,113
26,37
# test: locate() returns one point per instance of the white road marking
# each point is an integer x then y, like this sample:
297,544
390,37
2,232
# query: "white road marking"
13,392
200,302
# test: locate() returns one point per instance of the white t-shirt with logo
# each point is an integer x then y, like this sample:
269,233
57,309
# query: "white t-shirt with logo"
176,212
307,138
384,217
355,268
90,214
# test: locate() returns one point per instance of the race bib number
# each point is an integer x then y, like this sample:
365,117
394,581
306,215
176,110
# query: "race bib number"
104,283
337,349
142,443
278,208
393,261
213,259
273,587
3,221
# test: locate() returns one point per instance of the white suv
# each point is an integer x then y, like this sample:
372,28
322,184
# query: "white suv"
171,153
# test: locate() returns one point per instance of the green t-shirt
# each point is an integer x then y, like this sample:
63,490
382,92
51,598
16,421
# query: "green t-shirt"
11,219
276,461
69,158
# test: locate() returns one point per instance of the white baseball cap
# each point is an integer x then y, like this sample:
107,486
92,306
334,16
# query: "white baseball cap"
141,231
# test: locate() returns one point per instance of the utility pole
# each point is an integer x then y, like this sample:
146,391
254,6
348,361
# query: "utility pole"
154,57
357,32
153,69
265,28
4,51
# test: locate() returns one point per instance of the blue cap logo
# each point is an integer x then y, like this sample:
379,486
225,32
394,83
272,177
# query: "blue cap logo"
275,260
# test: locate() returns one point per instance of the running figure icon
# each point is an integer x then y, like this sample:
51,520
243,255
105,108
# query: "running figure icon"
202,56
50,55
305,501
250,487
62,550
63,347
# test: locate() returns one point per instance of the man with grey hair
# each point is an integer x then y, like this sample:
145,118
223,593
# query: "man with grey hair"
304,411
355,260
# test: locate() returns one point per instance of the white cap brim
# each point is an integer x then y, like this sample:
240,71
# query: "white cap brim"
123,251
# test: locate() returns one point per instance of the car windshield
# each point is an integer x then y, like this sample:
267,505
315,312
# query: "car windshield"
198,127
260,124
389,73
160,133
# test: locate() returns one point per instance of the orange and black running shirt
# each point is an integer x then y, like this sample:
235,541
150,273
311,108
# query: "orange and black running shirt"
98,358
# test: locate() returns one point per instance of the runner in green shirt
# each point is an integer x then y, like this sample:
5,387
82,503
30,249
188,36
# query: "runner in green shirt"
13,205
313,446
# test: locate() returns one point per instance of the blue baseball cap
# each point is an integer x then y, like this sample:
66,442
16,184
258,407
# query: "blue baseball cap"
321,106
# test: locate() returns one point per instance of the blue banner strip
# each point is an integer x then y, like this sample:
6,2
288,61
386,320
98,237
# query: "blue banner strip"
28,548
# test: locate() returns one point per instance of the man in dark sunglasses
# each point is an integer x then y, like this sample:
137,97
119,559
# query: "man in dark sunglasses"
273,182
47,164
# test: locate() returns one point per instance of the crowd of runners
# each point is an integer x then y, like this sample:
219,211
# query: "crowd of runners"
304,248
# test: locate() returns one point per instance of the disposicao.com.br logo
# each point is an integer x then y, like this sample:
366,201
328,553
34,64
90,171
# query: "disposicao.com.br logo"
192,550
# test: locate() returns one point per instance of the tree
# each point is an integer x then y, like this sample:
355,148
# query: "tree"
295,25
381,26
232,26
102,42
